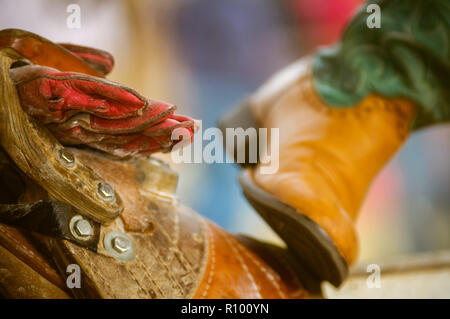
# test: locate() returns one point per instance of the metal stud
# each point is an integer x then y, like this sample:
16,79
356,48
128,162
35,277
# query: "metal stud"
80,228
66,158
83,228
106,192
119,245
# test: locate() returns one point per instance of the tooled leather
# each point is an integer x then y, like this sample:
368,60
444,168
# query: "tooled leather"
329,156
180,255
171,250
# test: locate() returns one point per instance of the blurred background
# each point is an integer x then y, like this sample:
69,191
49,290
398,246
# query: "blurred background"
206,55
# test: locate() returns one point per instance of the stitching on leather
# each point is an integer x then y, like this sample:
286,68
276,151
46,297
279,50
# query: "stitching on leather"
266,271
213,263
173,240
94,271
176,231
166,269
149,276
288,266
137,281
201,269
244,266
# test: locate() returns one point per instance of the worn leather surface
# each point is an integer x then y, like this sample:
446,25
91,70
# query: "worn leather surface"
19,280
64,90
179,254
328,156
281,260
101,61
234,271
20,246
44,52
85,110
170,242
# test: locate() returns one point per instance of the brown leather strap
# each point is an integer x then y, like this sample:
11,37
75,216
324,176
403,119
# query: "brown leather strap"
44,52
18,280
19,245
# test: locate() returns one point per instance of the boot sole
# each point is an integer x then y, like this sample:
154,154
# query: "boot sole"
308,241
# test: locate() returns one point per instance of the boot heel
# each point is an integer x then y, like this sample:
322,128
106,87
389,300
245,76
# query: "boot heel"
240,117
306,240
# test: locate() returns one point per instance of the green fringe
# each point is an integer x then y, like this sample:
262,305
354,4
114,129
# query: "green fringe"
408,56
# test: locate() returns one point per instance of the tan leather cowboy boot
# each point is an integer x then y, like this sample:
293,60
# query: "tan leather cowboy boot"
342,114
327,159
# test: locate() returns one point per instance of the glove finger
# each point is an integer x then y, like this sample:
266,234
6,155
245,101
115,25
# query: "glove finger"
139,145
167,126
123,144
77,135
101,61
74,133
52,96
163,147
151,115
146,145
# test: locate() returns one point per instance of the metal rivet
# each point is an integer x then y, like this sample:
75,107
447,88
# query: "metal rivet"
83,228
121,244
66,158
80,228
106,192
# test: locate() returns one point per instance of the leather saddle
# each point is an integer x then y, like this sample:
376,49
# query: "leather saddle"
117,220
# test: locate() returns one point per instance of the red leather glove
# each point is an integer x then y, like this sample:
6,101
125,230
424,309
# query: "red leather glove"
80,109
